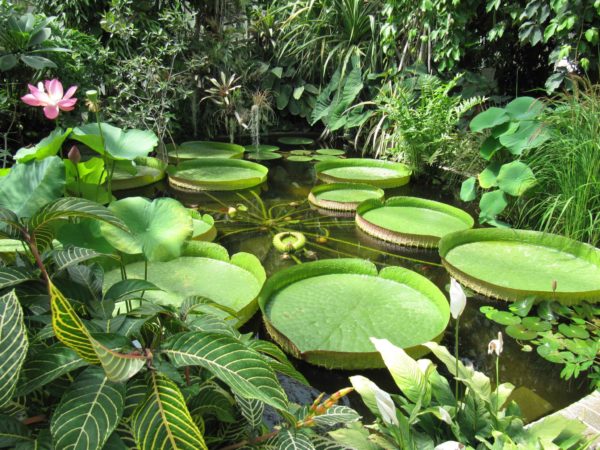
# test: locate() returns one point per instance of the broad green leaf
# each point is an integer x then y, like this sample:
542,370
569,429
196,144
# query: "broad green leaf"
515,178
524,108
91,171
293,440
530,134
163,421
119,144
241,368
489,147
366,389
46,366
573,331
298,92
520,332
468,191
492,204
213,400
30,186
49,146
13,345
74,255
488,119
38,62
252,410
487,177
405,371
89,412
83,233
127,287
7,62
158,228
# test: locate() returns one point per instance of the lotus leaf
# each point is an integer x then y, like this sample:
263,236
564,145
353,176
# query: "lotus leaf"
158,228
216,174
488,119
49,146
205,270
516,264
119,144
515,178
191,150
326,311
411,221
204,226
382,174
343,196
30,186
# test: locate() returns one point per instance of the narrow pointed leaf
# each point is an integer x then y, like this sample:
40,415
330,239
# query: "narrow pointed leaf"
88,412
13,345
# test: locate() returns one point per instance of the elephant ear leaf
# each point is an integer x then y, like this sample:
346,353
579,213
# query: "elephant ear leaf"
162,419
13,345
118,143
88,412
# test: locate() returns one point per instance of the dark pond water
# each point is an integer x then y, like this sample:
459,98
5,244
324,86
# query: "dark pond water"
540,389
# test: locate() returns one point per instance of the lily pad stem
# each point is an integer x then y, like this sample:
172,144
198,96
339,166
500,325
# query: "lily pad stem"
456,357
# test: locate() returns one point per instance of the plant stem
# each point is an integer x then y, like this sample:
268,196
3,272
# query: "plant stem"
497,386
104,155
456,356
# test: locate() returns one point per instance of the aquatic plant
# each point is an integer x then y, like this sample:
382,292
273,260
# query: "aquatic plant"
191,150
343,197
51,97
140,172
381,174
516,264
312,310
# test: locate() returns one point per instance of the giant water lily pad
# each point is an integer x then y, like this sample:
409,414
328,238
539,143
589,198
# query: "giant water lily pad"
216,174
382,174
344,197
515,264
204,270
410,220
144,171
326,311
191,150
295,140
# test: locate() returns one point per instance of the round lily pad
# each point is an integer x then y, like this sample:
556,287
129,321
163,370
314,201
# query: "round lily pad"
296,158
330,152
146,170
536,324
295,140
518,331
261,148
216,174
343,196
325,311
515,264
203,226
324,157
204,270
383,174
264,156
411,221
300,152
203,149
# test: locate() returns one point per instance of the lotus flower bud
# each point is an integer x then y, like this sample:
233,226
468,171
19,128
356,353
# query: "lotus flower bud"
74,155
458,299
92,95
231,212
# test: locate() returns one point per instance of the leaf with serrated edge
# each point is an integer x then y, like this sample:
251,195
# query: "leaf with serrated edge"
231,361
162,419
13,345
88,412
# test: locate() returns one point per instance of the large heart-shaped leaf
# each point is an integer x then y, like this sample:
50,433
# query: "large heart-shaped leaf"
492,204
488,119
13,345
49,146
28,187
158,228
88,412
524,108
241,368
529,135
119,144
162,419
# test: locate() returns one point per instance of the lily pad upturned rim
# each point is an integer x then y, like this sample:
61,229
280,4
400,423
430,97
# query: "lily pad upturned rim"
299,241
408,239
295,140
348,360
204,228
209,250
403,172
313,196
234,150
194,185
137,181
554,241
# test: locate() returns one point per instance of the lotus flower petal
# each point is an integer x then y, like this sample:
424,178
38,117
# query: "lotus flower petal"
50,95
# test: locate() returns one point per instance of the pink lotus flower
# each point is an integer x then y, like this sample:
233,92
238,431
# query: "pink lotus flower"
51,98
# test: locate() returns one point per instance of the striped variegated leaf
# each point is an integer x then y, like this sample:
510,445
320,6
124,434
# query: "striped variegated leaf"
71,331
243,369
252,410
162,419
88,413
323,443
10,226
276,359
213,400
74,255
46,366
12,276
337,414
12,432
13,345
293,440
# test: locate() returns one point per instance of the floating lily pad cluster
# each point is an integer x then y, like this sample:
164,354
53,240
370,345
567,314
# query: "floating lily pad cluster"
262,152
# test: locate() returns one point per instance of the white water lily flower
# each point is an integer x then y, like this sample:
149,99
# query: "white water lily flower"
496,345
450,445
386,406
458,299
